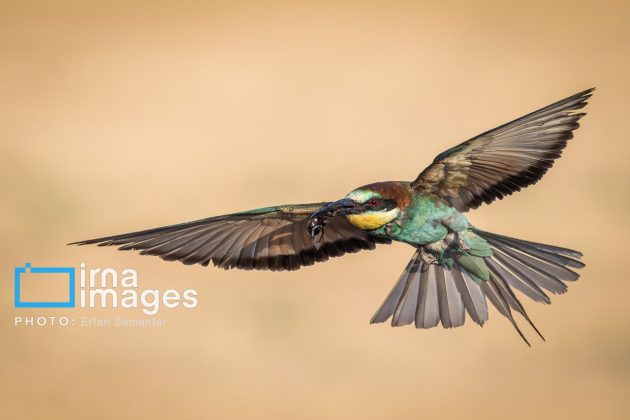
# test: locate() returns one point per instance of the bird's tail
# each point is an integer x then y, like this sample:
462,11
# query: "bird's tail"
427,294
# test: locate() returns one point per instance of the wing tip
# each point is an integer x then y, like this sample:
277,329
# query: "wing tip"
584,95
86,242
587,91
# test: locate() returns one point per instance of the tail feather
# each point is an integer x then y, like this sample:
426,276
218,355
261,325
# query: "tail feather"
554,271
428,312
511,299
452,311
406,309
429,293
529,272
523,285
522,260
388,307
495,295
473,296
549,253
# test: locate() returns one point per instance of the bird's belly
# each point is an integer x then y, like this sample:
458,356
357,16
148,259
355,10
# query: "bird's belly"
429,221
423,234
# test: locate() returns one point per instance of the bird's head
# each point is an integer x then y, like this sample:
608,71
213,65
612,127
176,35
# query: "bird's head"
369,207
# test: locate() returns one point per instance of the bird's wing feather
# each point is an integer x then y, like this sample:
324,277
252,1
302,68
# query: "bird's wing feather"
271,238
503,160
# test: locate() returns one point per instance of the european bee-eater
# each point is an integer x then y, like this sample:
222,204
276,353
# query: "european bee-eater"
456,266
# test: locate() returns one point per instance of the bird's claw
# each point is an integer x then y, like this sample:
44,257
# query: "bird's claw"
462,247
427,258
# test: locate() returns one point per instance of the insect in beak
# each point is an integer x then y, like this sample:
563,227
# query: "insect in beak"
318,220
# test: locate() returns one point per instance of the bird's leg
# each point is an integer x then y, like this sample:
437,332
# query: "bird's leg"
427,257
461,245
457,224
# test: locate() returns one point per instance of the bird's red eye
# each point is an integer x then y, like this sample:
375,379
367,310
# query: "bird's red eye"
374,202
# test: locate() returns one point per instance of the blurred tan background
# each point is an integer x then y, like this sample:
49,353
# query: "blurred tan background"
118,116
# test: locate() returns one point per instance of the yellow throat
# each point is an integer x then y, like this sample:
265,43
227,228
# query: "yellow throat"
373,220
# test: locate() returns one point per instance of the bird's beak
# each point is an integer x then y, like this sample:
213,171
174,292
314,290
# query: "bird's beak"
342,207
318,219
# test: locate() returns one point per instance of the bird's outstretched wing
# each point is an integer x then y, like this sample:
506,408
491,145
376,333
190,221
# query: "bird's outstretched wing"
503,160
271,238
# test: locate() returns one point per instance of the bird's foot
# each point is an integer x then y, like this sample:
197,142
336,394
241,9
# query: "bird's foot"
462,247
427,257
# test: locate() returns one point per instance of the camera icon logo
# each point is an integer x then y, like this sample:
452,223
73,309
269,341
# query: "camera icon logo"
68,274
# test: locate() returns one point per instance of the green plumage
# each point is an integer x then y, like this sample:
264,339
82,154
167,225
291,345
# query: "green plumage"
427,220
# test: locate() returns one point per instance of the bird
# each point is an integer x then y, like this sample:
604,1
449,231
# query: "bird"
456,270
